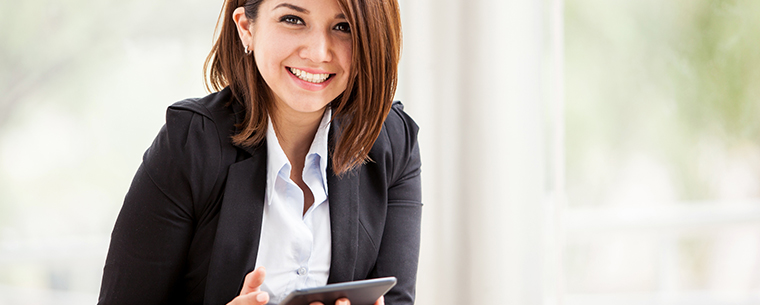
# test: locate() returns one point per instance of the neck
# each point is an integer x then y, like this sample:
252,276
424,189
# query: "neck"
295,132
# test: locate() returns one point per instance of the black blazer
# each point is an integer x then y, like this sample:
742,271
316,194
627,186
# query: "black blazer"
189,229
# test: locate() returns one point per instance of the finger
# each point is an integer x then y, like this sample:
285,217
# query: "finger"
316,303
342,301
253,280
253,298
380,301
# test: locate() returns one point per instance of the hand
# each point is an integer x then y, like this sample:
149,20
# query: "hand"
251,294
344,301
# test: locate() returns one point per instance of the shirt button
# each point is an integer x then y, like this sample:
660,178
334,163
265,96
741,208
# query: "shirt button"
301,271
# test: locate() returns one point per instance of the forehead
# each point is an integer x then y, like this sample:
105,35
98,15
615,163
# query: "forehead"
303,6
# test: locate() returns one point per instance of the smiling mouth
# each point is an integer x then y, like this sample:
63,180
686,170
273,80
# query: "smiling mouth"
308,77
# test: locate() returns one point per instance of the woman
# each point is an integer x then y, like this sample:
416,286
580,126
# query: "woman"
299,164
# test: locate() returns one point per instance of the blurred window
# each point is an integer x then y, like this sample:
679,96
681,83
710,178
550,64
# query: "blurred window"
662,152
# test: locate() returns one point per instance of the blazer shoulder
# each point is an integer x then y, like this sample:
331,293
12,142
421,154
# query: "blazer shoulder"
396,146
217,106
192,148
399,129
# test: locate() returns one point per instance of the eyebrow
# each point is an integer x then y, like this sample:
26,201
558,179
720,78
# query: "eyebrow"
303,10
292,7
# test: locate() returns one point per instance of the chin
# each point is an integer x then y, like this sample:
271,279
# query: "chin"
310,105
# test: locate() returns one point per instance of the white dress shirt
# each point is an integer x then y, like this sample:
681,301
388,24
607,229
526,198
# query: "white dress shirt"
295,247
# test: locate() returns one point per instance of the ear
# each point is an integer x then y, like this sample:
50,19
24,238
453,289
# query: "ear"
243,25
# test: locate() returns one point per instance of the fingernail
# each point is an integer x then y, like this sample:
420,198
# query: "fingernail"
262,297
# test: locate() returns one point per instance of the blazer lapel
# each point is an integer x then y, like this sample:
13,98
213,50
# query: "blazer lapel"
237,237
343,194
238,232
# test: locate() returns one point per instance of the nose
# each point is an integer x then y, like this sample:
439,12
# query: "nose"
317,46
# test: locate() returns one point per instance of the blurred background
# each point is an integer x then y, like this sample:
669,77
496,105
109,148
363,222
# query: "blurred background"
574,151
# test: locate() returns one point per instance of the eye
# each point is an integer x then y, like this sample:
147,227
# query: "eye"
343,27
292,19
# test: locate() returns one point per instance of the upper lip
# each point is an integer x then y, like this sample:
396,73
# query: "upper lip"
312,71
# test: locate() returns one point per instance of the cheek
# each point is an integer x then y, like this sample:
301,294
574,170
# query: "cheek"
345,57
271,50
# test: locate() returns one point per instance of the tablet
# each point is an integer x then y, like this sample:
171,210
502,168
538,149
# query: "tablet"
364,292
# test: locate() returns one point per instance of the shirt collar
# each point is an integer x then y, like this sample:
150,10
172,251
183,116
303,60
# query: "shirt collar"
319,145
277,161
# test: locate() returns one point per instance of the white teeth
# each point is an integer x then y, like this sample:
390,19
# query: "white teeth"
312,78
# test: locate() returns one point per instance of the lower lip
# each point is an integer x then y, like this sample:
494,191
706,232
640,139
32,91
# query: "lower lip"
308,85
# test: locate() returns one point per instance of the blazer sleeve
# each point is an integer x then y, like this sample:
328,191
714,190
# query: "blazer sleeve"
398,253
154,228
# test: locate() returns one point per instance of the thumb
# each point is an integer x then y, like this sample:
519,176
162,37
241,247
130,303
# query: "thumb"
380,301
253,280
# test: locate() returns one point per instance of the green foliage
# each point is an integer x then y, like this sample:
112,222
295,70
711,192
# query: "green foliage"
56,48
668,80
720,89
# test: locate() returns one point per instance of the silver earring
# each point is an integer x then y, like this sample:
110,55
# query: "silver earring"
247,52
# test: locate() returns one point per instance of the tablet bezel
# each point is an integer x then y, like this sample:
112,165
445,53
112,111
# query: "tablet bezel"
362,292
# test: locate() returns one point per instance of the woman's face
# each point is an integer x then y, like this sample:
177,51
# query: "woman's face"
303,51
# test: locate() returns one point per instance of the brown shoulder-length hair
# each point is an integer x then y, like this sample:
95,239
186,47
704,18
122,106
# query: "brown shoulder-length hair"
361,109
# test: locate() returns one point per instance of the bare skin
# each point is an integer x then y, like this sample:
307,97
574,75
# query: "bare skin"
252,295
295,133
312,39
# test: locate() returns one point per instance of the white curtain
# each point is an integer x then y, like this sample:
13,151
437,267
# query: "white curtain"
483,80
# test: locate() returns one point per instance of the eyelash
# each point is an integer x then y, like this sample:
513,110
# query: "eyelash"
347,27
295,20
